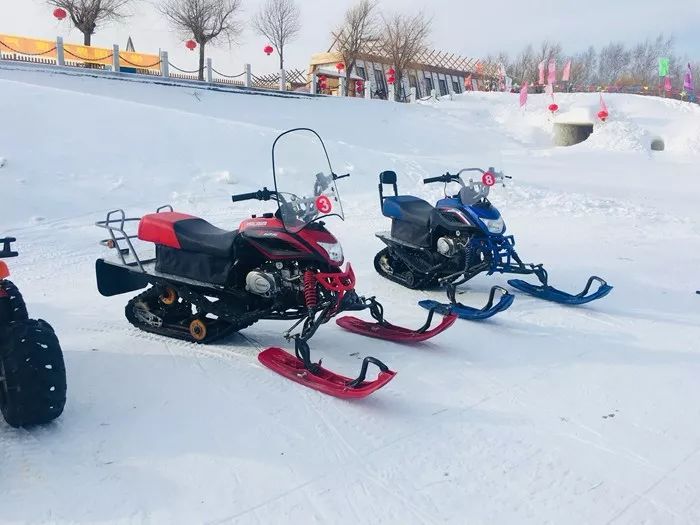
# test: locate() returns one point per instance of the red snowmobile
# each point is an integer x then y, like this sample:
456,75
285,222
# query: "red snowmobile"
207,282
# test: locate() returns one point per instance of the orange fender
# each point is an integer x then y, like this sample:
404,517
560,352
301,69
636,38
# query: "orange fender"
4,270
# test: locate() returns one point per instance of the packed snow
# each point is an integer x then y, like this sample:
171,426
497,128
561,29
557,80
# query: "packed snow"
543,414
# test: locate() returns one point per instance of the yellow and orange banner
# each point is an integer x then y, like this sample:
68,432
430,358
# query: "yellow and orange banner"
76,52
27,46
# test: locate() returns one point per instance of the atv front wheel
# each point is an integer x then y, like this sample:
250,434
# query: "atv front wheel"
12,307
32,373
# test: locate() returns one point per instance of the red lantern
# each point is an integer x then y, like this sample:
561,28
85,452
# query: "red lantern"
59,13
268,49
191,45
340,66
553,108
602,115
391,79
391,72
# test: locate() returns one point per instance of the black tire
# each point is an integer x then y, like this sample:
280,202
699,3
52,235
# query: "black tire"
32,373
15,309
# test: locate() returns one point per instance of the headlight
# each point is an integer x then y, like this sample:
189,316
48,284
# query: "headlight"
334,250
494,225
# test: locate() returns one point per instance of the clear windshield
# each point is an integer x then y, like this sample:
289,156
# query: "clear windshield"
303,179
471,186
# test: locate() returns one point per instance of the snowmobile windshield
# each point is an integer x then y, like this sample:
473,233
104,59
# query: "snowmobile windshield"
304,179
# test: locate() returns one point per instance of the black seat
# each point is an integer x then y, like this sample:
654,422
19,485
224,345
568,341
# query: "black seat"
409,209
197,235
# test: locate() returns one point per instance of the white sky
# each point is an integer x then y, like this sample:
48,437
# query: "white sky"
473,29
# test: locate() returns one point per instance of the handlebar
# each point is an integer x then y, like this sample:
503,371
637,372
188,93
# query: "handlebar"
6,250
261,195
336,177
456,177
441,178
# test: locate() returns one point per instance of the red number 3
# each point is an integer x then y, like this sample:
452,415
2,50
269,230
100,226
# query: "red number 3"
323,204
488,179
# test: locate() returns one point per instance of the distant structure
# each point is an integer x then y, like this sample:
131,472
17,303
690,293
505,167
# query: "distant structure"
443,72
130,46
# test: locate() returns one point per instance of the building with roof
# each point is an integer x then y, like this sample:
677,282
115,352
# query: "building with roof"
432,70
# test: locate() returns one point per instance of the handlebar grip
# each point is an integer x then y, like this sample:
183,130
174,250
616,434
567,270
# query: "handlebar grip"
432,179
336,177
246,196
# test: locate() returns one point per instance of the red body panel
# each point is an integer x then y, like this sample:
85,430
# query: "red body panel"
158,228
325,381
260,223
260,229
4,270
316,236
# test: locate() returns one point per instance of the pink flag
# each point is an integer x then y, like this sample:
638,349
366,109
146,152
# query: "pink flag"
567,72
667,84
541,69
523,94
552,71
688,80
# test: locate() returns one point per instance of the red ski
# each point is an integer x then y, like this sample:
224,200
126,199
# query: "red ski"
324,380
390,332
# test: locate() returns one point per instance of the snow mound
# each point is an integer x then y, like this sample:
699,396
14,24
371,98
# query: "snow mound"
618,136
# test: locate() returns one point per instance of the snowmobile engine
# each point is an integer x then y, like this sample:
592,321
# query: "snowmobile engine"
261,283
448,246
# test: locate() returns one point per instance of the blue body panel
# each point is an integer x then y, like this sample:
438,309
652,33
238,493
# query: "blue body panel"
475,213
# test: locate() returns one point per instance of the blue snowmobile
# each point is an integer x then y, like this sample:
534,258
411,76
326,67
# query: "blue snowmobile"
459,238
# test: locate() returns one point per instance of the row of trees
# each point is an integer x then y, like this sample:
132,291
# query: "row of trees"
210,21
614,63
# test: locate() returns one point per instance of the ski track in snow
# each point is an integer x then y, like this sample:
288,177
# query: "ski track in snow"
539,414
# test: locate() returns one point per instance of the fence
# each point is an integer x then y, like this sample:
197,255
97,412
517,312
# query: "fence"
46,52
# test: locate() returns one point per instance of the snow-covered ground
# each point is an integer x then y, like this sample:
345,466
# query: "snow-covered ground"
544,414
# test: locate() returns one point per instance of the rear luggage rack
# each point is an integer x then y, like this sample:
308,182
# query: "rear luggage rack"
115,223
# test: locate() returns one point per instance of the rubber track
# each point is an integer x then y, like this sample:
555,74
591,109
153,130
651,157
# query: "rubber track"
216,329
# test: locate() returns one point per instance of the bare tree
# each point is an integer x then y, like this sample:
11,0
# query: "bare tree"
358,30
280,22
524,67
548,51
613,61
583,66
206,20
88,15
644,59
403,38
